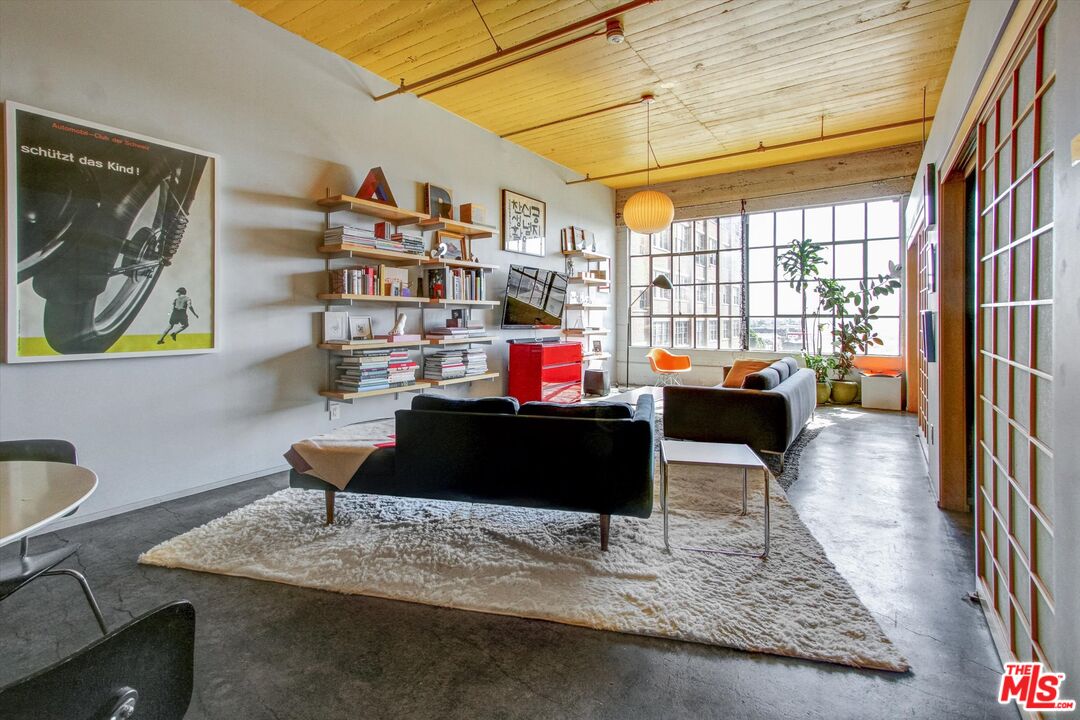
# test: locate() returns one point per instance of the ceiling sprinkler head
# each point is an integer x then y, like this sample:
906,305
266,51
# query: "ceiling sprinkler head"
615,34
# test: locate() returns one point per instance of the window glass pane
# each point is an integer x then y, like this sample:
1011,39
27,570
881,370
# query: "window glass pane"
641,307
681,328
661,265
661,242
819,224
731,300
888,305
888,329
731,266
878,255
684,270
762,264
683,300
682,237
639,271
848,260
661,332
728,331
883,219
762,333
850,222
705,234
789,334
731,229
639,244
661,301
705,333
788,226
705,267
788,301
705,299
639,332
761,298
761,229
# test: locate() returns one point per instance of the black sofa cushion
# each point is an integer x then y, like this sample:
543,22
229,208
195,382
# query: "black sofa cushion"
491,405
782,369
590,411
766,379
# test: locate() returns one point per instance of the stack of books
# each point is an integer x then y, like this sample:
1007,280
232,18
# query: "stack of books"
476,330
370,280
402,369
349,234
475,362
366,370
410,241
457,284
445,365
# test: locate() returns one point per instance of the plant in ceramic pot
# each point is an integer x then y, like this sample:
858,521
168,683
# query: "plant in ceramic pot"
822,365
855,312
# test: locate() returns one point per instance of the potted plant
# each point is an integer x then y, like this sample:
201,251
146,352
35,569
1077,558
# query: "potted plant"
822,365
855,332
800,264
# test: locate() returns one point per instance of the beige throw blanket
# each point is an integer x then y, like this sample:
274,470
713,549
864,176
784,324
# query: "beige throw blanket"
336,456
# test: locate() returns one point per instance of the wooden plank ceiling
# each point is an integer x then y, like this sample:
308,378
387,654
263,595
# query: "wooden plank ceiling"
728,75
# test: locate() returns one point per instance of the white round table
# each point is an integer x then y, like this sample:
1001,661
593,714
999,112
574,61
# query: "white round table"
33,494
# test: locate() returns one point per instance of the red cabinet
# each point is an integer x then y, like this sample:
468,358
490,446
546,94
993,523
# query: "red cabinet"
546,371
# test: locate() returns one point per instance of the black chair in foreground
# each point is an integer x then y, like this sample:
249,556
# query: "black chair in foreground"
17,572
144,669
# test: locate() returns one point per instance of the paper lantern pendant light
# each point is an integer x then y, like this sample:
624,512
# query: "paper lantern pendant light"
648,211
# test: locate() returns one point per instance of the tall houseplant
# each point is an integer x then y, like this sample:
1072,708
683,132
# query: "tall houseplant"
854,333
801,263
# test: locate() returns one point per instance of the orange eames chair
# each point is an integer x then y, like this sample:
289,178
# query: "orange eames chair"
667,367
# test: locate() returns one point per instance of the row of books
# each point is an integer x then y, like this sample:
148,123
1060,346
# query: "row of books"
456,284
377,369
371,280
453,364
382,237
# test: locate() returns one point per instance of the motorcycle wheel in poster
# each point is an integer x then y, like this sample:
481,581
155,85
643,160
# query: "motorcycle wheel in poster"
111,241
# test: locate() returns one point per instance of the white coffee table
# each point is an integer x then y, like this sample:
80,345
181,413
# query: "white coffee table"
719,455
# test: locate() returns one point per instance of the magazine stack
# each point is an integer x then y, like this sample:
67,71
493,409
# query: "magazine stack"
366,370
402,369
445,365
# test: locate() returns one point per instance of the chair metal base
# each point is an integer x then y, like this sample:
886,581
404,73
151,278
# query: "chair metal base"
19,572
667,379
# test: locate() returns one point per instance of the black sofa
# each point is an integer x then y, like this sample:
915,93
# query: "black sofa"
767,413
594,458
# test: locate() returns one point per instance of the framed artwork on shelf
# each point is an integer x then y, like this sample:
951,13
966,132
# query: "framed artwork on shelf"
360,327
597,346
438,202
524,223
126,265
456,245
335,326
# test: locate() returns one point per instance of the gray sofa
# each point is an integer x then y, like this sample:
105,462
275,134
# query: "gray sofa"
767,413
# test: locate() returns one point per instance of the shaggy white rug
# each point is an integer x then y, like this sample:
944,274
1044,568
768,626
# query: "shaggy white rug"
548,565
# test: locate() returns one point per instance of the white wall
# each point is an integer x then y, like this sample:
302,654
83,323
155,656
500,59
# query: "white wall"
289,120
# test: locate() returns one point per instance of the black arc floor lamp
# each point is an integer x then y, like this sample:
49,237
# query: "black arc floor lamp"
661,281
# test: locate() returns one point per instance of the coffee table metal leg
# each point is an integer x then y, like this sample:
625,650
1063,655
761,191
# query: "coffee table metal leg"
743,492
765,474
664,497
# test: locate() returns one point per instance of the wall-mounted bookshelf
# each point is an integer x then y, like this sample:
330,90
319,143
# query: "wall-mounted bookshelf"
586,254
394,299
460,380
469,230
371,208
371,345
587,306
342,396
480,340
584,332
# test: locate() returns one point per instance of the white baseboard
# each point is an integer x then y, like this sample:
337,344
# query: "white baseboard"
79,518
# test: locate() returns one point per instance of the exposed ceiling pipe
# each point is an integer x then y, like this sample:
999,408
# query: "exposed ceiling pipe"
762,147
579,116
538,40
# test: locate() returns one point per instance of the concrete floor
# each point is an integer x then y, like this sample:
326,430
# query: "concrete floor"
275,651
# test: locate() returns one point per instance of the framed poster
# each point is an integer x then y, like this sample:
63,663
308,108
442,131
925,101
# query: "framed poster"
524,223
111,241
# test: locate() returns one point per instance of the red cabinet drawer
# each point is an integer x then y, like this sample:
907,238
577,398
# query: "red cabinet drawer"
571,372
562,353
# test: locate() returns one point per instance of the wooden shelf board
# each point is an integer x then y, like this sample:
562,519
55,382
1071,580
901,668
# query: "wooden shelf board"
371,209
372,345
344,396
586,306
371,253
468,265
596,356
587,280
485,303
460,341
466,379
587,254
375,298
456,226
580,332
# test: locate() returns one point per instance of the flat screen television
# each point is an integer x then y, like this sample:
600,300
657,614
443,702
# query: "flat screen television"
534,298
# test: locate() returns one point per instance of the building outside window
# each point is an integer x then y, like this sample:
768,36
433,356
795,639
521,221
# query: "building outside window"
730,293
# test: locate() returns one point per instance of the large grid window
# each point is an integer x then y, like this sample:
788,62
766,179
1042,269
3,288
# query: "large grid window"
730,293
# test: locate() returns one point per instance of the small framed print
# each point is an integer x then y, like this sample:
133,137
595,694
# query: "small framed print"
360,327
456,246
597,346
335,326
524,223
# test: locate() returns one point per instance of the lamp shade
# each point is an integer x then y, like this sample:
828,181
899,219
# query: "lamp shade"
662,281
648,211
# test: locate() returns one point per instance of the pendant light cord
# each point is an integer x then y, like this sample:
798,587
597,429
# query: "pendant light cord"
648,141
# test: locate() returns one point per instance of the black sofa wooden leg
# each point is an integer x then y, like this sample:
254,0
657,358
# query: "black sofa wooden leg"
330,494
605,524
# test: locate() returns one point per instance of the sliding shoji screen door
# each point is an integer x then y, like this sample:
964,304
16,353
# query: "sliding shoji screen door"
1014,407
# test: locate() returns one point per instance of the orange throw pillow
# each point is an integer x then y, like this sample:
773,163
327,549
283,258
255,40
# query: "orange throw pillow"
742,368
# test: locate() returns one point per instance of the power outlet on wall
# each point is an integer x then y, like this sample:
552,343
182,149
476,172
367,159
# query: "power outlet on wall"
335,411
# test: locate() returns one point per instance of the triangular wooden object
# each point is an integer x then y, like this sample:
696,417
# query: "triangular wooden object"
376,188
